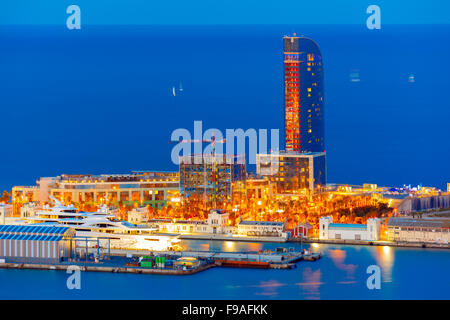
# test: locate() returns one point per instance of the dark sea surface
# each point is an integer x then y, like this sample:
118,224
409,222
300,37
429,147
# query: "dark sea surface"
341,274
99,99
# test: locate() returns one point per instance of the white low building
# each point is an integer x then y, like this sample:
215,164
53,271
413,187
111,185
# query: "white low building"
5,212
427,230
217,223
29,209
138,215
346,231
261,228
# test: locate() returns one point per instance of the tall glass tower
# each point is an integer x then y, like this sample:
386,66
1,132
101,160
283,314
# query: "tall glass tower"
304,93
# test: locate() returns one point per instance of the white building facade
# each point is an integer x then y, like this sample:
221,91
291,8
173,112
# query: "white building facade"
5,211
138,215
216,223
419,230
261,228
29,209
343,231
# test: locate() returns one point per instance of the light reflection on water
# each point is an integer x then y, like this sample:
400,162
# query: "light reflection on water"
384,257
338,257
339,274
311,283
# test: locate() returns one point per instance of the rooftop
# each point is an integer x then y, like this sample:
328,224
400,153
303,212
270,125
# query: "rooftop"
347,225
33,229
261,223
29,237
426,223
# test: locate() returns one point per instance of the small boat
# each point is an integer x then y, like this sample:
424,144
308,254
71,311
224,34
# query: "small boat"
173,91
411,78
312,256
181,88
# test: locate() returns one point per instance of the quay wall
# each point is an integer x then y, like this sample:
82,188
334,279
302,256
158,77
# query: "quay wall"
105,268
376,243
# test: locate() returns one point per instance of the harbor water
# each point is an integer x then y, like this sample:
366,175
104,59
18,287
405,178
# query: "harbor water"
406,273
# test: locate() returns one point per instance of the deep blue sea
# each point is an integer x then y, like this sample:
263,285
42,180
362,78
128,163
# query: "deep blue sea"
341,274
99,99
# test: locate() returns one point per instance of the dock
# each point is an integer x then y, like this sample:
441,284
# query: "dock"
175,262
110,269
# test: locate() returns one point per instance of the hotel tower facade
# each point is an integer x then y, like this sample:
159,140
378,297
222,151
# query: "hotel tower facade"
304,94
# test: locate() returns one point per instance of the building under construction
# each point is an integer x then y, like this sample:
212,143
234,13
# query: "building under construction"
211,181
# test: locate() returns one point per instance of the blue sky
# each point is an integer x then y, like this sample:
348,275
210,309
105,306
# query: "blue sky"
224,11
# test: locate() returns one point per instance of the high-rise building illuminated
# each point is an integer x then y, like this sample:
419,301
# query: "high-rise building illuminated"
304,94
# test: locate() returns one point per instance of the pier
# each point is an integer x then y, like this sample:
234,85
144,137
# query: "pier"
177,263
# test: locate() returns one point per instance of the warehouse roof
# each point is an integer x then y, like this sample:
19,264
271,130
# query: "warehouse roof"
29,237
32,229
425,223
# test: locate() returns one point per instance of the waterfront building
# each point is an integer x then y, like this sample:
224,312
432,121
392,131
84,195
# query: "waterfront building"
346,231
180,226
448,187
138,215
36,244
29,209
302,230
5,211
216,223
152,188
427,230
261,228
294,173
304,94
212,180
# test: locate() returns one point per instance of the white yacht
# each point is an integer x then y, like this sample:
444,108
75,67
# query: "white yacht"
103,225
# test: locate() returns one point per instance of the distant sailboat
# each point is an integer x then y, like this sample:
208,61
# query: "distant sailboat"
173,91
354,75
181,88
411,78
